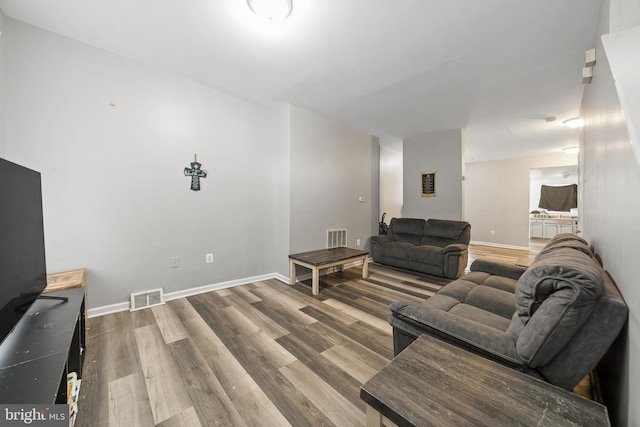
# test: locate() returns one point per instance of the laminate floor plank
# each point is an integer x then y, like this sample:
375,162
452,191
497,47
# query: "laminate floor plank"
111,354
225,292
140,318
310,301
353,297
250,400
356,299
292,311
261,321
186,418
340,411
359,363
121,345
170,326
210,401
410,292
167,393
365,289
383,292
183,310
285,396
372,338
367,318
394,275
281,297
272,352
410,285
263,354
245,293
412,288
295,407
95,384
214,315
319,342
129,402
340,380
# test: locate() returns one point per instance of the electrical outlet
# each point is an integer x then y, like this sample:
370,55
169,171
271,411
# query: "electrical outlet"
208,258
175,262
492,232
358,243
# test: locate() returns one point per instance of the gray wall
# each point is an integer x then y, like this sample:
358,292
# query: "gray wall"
331,167
610,204
440,152
497,198
115,197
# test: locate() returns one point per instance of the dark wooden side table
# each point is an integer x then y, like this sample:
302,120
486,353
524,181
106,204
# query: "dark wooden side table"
432,383
325,258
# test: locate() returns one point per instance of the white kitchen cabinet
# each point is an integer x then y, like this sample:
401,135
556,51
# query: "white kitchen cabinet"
546,228
566,226
535,229
550,229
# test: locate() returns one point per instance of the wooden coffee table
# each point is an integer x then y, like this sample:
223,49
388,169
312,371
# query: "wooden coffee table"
433,383
325,258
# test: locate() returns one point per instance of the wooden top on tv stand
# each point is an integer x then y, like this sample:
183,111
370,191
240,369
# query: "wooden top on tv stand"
66,280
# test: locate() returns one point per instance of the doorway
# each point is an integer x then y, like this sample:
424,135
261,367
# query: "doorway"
544,224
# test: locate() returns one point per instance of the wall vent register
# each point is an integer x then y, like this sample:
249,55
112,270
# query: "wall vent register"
337,238
145,299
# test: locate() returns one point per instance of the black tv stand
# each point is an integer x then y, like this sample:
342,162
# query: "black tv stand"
46,344
64,299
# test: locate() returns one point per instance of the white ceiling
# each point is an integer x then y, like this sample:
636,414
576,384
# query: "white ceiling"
392,68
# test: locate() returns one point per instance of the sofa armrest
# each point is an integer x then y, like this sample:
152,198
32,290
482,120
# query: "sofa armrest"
382,239
511,271
454,247
489,342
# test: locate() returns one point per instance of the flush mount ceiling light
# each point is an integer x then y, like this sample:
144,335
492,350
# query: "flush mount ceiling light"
574,122
271,10
571,150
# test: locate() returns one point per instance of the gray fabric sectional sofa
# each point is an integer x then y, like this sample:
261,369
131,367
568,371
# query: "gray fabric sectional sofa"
553,320
434,246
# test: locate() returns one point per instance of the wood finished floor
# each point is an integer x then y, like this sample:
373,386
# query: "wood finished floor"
263,354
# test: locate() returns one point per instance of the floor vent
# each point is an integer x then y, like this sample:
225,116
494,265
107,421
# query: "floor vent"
336,238
150,298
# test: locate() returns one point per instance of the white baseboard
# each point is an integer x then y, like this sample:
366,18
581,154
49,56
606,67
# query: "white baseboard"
499,245
108,309
124,306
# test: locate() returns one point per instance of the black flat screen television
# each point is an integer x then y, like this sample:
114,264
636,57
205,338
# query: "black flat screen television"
23,273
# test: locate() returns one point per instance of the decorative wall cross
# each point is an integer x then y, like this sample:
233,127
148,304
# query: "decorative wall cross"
195,172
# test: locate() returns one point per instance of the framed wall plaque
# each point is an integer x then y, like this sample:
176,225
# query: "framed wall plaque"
428,184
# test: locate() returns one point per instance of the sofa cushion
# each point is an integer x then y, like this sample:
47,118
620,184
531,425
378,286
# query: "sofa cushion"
407,229
426,255
554,297
408,226
457,322
484,298
494,268
441,233
444,228
395,249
